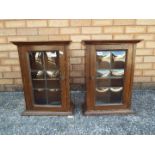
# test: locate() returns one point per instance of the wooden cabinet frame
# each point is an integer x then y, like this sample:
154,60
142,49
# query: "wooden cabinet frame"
32,109
91,47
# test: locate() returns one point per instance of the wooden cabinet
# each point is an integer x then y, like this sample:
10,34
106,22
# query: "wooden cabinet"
45,74
109,76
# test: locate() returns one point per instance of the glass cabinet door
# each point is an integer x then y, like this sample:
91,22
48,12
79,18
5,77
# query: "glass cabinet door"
45,76
109,76
110,68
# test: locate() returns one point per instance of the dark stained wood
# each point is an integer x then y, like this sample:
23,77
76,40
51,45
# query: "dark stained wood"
91,47
96,42
41,42
132,73
46,113
32,109
109,112
25,76
87,69
67,75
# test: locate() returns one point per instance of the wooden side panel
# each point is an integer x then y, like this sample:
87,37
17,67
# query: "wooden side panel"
128,75
133,48
68,104
27,86
92,75
87,67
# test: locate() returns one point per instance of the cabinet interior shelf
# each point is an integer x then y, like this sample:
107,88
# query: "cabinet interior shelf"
110,77
48,89
51,79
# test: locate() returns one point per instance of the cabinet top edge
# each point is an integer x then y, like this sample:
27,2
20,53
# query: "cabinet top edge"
110,41
56,42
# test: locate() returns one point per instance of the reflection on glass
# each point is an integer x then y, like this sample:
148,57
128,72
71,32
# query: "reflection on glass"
103,59
118,59
36,60
117,72
52,64
52,60
52,73
54,89
45,77
37,74
103,56
118,56
116,97
39,58
115,89
103,73
112,89
110,67
101,89
110,95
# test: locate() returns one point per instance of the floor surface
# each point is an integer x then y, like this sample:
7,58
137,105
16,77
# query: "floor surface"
143,122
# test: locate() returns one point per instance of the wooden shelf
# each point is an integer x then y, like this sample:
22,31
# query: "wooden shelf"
52,79
111,77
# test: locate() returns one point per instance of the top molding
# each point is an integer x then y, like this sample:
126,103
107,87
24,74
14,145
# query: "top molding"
110,41
41,42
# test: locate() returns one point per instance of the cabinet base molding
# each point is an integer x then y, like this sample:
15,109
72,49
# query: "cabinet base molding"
46,113
108,112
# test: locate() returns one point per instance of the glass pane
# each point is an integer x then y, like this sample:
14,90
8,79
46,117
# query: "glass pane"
116,94
118,59
54,97
45,74
40,96
103,60
38,83
117,73
102,73
39,74
110,66
52,84
36,60
117,82
103,82
52,64
102,95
